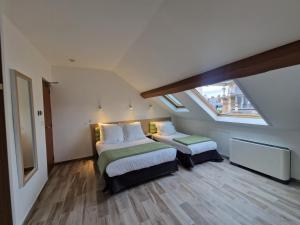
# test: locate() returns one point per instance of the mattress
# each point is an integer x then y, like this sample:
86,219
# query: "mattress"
128,164
190,149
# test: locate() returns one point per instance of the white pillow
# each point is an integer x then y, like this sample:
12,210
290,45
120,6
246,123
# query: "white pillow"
111,134
133,131
165,128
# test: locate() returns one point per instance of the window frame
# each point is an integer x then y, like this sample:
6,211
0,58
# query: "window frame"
172,105
201,101
171,101
238,115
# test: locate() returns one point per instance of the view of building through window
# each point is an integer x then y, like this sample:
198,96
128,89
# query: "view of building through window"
226,98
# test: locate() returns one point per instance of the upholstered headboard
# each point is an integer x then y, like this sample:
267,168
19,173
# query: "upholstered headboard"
144,123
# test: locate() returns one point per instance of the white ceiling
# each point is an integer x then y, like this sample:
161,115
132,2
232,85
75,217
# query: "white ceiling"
188,37
276,95
154,42
96,33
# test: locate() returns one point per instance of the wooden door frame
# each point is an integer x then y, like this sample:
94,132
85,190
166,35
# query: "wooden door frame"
44,81
5,203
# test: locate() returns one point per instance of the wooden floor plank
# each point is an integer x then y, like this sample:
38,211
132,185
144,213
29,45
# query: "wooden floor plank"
210,194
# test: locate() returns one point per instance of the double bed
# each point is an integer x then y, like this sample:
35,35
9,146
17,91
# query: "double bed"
136,162
136,168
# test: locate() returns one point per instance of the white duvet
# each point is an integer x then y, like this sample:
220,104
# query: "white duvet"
128,164
190,149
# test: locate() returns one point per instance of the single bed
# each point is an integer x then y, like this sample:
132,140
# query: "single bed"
130,171
189,155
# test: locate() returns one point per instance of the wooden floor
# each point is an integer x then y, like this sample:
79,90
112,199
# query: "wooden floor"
212,193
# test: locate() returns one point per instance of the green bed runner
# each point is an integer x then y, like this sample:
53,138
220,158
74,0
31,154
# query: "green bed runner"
109,156
192,139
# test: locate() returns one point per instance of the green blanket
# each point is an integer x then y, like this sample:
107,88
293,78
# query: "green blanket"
109,156
192,139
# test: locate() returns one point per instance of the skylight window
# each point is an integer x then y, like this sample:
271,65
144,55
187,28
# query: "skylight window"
227,99
226,102
173,103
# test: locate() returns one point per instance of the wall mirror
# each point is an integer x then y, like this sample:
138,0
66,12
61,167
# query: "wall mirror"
24,127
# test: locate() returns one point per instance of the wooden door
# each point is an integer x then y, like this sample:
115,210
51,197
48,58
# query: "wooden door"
5,201
48,125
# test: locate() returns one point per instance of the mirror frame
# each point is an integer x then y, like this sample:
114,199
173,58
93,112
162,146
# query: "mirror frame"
17,131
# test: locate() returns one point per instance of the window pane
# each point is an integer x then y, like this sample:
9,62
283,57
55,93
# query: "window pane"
174,101
227,99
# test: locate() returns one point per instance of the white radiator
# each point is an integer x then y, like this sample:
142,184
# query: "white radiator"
267,159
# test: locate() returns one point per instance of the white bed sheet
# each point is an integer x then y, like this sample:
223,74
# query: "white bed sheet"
190,149
128,164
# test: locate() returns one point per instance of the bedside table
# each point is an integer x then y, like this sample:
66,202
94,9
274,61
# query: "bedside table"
149,135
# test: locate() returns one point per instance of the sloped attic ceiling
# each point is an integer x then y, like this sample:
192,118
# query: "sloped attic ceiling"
154,42
275,94
96,33
185,38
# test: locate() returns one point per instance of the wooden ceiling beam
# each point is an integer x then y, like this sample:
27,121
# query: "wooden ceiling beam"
283,56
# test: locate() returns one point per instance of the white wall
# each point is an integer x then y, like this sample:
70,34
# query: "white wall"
222,132
74,106
19,54
1,6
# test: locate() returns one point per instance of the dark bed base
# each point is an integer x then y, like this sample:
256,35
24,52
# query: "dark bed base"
188,161
134,178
